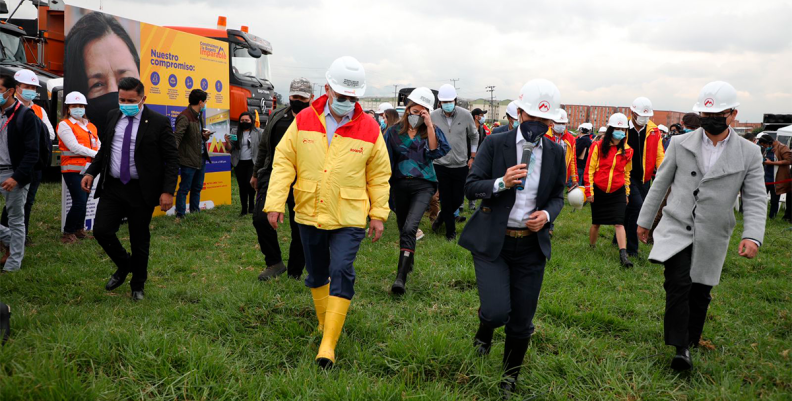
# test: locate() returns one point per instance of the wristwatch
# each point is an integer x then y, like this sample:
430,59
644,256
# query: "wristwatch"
501,184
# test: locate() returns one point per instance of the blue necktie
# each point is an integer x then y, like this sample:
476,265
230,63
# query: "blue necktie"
125,175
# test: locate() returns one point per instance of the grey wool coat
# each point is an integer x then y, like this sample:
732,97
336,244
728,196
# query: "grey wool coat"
700,209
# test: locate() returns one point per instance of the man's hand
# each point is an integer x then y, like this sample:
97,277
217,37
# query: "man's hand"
538,219
9,184
748,249
254,182
514,175
643,234
275,218
376,227
166,202
470,163
87,183
628,199
206,134
590,199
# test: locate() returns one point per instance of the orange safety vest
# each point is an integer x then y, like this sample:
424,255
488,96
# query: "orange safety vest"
39,112
70,161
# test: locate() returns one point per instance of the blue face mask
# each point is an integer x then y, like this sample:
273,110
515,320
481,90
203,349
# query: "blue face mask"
129,110
28,94
203,108
514,124
342,108
619,135
383,125
448,107
686,130
77,112
3,100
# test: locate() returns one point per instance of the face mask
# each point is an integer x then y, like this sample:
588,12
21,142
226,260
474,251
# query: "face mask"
619,135
28,94
3,100
383,125
714,125
514,124
297,106
130,110
203,109
448,107
342,108
686,130
532,130
641,121
559,128
78,112
414,120
245,126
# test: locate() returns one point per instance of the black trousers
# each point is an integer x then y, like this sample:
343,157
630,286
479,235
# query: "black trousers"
268,238
509,286
247,195
451,185
686,302
787,213
35,181
638,193
411,198
119,201
774,200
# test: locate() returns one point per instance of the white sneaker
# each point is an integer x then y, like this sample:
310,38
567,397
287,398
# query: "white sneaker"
419,235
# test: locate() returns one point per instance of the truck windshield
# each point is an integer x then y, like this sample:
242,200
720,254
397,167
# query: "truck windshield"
246,66
12,49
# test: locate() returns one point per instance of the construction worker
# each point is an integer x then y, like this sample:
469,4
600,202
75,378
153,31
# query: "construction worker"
582,145
646,141
509,235
26,92
339,164
512,117
607,183
79,142
561,136
380,113
665,135
600,134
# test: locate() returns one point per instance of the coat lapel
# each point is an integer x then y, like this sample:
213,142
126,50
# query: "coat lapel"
142,128
693,144
548,161
510,149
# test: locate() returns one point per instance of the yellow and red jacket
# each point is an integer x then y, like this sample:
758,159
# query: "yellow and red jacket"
70,161
568,141
337,185
609,172
653,151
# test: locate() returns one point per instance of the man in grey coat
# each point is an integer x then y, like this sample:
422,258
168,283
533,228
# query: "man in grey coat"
705,170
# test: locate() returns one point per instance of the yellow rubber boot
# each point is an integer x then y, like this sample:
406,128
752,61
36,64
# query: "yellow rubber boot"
334,321
320,296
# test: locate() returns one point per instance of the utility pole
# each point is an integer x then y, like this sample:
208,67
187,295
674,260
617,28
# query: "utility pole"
395,95
491,90
455,81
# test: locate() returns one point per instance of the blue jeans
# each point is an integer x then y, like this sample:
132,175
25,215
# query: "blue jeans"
75,219
331,254
192,181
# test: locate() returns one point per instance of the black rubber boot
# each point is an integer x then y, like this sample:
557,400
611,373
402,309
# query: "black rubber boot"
513,354
625,261
405,265
483,340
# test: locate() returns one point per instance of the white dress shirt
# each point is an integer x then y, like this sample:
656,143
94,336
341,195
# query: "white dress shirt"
331,125
66,135
525,201
711,152
118,143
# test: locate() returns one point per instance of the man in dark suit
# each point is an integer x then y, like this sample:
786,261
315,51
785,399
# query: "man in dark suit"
138,163
509,235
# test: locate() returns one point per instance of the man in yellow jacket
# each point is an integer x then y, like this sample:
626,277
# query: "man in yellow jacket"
334,154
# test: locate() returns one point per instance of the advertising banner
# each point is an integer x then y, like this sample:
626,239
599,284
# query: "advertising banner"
101,49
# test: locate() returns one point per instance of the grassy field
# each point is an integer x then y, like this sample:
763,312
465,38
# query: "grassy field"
209,330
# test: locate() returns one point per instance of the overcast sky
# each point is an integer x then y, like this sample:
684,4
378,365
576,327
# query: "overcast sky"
597,52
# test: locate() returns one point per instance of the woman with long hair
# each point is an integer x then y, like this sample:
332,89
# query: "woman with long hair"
391,117
607,182
413,144
243,144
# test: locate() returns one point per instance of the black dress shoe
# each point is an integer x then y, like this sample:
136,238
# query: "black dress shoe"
114,282
507,387
137,295
436,225
682,360
5,323
483,340
272,271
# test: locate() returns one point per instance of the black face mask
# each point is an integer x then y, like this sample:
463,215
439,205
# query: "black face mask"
245,127
533,130
297,106
714,125
98,109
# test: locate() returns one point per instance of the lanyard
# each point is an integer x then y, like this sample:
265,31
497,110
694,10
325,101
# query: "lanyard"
9,118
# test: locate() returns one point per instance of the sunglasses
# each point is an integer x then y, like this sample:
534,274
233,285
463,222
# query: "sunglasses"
342,98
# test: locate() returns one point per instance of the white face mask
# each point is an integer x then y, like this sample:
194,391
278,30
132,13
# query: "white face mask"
641,121
559,128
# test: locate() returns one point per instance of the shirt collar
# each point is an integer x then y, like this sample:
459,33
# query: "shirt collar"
327,113
708,142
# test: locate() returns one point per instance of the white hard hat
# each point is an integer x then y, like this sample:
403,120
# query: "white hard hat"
75,98
423,96
587,126
540,98
446,93
576,198
347,77
384,106
27,77
562,117
602,130
662,127
511,111
617,120
716,97
642,106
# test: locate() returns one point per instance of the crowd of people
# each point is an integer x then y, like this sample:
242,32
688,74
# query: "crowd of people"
339,172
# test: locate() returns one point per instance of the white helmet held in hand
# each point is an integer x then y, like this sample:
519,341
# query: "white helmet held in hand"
540,98
347,77
576,198
446,93
716,97
75,98
384,106
643,107
424,97
511,111
617,120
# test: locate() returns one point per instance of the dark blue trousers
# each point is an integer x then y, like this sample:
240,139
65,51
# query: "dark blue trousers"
329,256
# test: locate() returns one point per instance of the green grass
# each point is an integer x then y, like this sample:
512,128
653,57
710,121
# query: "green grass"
209,330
